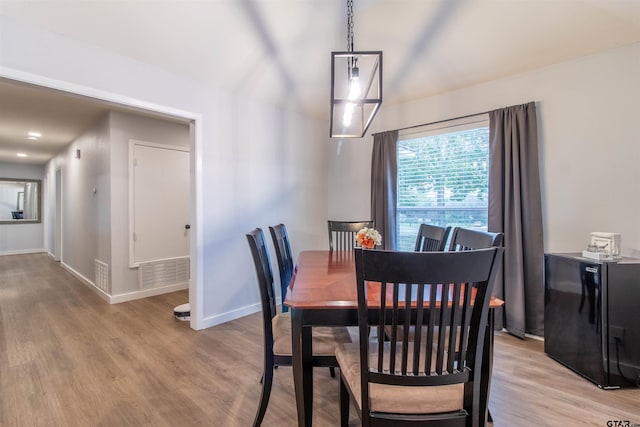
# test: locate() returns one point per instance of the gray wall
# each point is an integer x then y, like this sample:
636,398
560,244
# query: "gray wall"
95,194
588,144
85,200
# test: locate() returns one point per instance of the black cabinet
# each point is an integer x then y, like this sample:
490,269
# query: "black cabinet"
592,317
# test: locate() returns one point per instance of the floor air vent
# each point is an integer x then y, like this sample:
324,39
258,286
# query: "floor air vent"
102,275
163,273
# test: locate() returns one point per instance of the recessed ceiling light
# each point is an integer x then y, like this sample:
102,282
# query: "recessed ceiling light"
33,138
21,155
34,135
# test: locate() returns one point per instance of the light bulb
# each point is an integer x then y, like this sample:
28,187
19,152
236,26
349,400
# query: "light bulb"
348,114
354,84
354,93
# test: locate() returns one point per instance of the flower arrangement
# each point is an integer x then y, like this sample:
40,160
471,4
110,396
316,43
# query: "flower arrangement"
368,238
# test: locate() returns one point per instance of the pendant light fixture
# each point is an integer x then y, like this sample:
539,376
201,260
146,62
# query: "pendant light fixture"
356,87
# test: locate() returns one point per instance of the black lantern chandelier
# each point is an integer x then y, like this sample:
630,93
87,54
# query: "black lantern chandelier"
356,87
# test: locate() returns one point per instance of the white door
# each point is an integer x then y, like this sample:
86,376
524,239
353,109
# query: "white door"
57,239
159,202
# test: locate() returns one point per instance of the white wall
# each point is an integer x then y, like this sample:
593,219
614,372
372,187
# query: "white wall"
269,167
22,238
248,152
122,128
85,200
589,144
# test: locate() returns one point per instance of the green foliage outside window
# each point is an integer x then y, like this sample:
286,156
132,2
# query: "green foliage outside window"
442,180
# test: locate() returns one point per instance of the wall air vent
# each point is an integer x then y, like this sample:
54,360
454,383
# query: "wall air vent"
102,276
167,272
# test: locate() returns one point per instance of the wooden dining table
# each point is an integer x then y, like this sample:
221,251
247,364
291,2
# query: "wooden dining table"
323,292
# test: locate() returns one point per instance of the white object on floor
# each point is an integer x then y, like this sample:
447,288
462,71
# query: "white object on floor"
182,312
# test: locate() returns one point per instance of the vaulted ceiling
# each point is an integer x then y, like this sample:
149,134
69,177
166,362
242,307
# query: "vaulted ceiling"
279,50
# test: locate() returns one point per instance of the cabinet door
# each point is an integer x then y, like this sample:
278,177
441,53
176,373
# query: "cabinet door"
623,294
573,315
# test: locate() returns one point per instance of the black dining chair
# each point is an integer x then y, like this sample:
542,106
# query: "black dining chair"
463,239
431,238
430,378
277,327
284,256
342,234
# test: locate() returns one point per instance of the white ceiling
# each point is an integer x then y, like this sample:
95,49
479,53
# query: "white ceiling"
279,50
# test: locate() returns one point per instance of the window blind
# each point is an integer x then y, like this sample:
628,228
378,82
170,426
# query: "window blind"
442,179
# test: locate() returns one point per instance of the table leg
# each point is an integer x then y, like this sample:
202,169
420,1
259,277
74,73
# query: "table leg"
302,368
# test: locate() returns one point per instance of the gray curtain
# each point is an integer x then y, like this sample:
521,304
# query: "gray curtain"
384,167
515,209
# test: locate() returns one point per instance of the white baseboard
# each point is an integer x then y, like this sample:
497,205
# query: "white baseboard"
129,296
228,316
23,252
534,337
86,281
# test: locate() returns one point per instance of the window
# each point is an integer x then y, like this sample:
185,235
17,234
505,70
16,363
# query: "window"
442,178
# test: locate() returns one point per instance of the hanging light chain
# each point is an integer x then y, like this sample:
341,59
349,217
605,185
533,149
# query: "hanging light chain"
350,25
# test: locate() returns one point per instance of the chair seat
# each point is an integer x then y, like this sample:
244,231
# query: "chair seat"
325,339
396,399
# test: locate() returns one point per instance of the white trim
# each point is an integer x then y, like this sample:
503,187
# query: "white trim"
163,260
196,282
24,251
13,74
233,314
57,249
133,142
86,281
446,126
533,337
221,318
196,297
130,296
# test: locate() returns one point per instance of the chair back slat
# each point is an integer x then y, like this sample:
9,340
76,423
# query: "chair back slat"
454,325
342,234
282,247
418,330
442,327
431,238
431,326
406,322
464,239
465,322
383,321
431,292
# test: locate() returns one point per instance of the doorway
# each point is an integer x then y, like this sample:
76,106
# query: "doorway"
116,101
57,221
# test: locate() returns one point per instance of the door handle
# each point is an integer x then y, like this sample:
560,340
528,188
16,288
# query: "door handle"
186,227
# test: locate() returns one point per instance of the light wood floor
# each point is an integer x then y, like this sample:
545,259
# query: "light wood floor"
67,358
